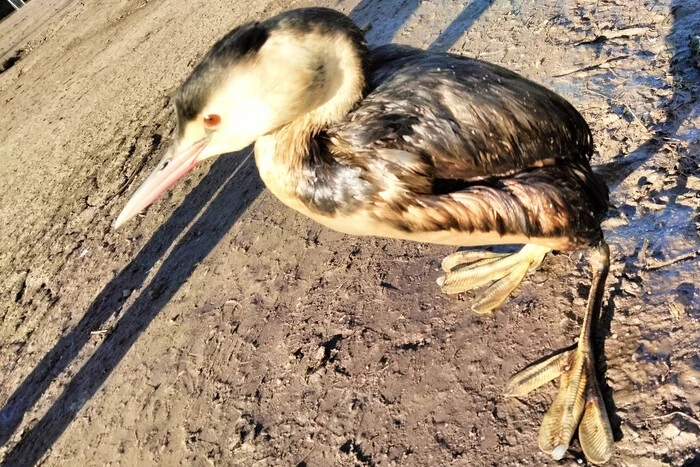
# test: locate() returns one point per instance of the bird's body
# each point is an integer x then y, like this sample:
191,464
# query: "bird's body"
403,143
444,149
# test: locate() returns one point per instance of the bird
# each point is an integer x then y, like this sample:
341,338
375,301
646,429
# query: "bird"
398,142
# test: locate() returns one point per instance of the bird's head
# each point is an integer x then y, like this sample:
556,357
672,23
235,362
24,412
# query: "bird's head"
308,63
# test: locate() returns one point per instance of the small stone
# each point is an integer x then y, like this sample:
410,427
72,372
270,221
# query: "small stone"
499,414
230,306
677,308
320,353
629,287
671,431
314,379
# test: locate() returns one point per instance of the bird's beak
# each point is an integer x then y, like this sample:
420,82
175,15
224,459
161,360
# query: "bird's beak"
176,163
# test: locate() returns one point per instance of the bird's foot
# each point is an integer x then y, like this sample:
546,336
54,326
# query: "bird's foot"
470,269
578,404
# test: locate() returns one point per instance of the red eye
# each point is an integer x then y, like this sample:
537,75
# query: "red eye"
212,120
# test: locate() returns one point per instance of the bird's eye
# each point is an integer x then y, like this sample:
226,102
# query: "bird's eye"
212,120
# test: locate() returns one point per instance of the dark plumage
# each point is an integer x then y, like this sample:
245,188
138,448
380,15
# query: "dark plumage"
471,128
239,44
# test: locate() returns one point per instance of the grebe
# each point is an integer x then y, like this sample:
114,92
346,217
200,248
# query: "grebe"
403,143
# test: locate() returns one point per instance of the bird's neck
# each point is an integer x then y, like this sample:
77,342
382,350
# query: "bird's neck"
345,68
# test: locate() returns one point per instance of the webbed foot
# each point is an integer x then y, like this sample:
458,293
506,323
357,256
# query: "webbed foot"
579,403
470,269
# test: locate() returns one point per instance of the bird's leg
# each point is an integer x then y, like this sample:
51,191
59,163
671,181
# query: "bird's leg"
579,402
466,270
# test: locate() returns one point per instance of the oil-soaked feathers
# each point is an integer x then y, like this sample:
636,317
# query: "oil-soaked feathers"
468,119
444,143
547,202
447,143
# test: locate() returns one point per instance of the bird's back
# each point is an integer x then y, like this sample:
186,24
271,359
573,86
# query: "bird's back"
469,119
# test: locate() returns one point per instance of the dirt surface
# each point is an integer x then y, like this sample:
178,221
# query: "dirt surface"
222,328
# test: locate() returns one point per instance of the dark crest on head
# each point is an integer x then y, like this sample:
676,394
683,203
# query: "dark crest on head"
242,42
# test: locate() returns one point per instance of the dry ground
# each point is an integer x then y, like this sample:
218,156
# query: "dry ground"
222,328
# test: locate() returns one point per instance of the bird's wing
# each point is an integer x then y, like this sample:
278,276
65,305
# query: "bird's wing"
467,120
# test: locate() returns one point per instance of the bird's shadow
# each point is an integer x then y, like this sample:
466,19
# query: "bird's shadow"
241,186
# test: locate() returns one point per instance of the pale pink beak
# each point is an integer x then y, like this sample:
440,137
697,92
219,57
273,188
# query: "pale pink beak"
176,163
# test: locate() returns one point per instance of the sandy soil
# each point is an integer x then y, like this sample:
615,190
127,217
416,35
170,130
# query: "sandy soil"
222,328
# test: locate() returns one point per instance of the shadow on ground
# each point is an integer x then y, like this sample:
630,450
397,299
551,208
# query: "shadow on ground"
174,271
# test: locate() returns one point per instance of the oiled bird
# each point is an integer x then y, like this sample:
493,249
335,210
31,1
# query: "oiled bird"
403,143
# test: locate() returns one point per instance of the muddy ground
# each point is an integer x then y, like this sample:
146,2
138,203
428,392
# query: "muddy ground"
222,328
